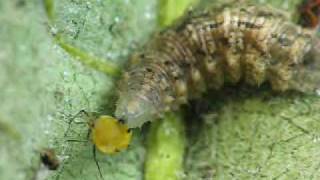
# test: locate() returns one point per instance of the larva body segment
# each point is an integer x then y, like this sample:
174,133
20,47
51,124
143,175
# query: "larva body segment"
207,49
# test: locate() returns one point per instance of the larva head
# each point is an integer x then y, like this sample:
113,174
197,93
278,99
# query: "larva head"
138,98
135,109
109,135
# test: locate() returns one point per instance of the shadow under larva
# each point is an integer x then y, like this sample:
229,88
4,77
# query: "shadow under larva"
210,47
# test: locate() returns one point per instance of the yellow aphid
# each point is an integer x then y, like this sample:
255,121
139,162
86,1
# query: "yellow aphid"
110,135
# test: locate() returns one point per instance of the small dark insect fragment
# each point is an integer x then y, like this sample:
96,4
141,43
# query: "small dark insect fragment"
49,159
309,13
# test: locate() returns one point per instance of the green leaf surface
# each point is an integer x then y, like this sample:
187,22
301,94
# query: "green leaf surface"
42,86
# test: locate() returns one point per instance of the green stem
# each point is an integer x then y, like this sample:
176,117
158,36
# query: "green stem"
166,138
89,60
166,144
170,10
99,64
10,131
48,5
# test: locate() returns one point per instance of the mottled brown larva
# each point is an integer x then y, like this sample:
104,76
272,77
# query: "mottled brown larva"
211,47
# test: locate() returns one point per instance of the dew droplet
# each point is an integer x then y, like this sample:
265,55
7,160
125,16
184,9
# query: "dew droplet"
54,30
318,92
117,19
147,15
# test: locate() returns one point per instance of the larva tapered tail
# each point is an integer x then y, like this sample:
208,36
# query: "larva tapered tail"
209,48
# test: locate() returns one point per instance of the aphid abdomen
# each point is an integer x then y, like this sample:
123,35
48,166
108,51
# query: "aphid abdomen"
205,51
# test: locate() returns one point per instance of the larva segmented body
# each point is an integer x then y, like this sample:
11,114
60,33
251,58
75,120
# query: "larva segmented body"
207,49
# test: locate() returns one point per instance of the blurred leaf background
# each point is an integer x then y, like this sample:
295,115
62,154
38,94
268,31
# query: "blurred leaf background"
248,134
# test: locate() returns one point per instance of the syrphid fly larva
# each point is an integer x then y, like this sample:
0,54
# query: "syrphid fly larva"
210,47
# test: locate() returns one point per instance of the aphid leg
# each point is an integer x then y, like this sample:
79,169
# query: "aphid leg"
71,120
89,133
95,160
76,140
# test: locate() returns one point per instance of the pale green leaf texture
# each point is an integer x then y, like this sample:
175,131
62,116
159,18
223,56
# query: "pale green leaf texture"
42,86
